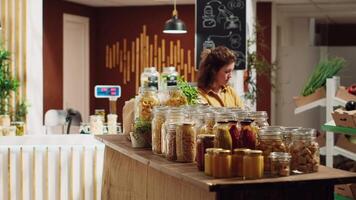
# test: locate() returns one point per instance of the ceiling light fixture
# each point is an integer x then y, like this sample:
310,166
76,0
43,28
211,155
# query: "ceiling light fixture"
174,25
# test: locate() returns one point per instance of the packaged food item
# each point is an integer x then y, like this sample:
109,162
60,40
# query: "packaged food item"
174,97
169,77
253,165
150,78
209,122
208,160
112,123
96,125
237,161
20,128
185,142
157,122
304,151
222,164
204,141
280,164
270,140
145,103
5,120
260,119
222,136
174,117
247,137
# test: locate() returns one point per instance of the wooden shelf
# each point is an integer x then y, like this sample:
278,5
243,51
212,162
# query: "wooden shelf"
331,127
314,104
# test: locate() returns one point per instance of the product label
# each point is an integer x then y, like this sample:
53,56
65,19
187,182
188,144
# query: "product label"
153,81
171,80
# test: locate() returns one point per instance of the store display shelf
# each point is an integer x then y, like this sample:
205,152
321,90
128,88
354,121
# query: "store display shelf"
340,101
320,102
330,126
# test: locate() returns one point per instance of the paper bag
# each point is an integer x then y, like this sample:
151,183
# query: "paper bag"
128,115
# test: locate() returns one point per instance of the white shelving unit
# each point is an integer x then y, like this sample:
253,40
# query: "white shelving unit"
332,85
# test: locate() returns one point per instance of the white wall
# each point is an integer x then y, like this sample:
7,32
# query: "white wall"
34,66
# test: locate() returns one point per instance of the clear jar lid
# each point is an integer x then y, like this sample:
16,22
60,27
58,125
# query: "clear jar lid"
225,117
304,134
259,115
281,156
273,128
265,133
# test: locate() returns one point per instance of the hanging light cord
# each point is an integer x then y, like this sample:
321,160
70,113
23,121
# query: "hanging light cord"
175,12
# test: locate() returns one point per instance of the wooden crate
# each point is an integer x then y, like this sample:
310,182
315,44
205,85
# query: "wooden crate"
318,94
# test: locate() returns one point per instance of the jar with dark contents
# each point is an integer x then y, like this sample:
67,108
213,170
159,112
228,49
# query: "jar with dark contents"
247,136
204,141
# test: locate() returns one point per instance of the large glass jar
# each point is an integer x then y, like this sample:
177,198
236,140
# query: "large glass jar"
237,162
270,140
209,122
304,150
185,142
174,117
280,164
157,122
174,97
260,119
247,137
150,78
253,165
146,100
169,77
222,164
222,136
287,135
204,141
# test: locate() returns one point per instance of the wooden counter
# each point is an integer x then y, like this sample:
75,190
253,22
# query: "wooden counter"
138,174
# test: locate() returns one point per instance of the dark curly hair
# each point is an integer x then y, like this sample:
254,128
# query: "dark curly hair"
212,60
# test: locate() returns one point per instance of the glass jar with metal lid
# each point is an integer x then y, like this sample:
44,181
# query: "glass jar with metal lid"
145,102
157,122
150,78
174,117
270,140
304,150
222,135
237,161
174,97
280,164
260,119
287,135
253,164
208,160
169,77
222,164
185,142
209,122
204,141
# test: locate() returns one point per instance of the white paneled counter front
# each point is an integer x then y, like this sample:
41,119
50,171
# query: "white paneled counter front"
51,167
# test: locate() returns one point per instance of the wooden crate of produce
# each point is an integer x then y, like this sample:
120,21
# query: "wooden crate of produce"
343,94
318,94
344,118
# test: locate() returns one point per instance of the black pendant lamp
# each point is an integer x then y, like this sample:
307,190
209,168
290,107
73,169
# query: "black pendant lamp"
174,25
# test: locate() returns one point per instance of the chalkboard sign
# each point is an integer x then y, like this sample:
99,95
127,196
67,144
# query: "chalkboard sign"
221,23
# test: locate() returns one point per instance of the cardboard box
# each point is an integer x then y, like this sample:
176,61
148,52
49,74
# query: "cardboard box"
346,190
344,118
344,143
343,94
318,94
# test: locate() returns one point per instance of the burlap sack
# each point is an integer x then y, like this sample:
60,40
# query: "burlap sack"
128,114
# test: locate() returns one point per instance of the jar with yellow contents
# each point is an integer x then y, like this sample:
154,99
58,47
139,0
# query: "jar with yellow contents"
237,161
208,160
145,102
253,165
222,164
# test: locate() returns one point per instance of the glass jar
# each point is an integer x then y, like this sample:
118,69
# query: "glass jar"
270,140
169,77
20,128
174,117
222,164
208,160
145,102
287,135
222,136
260,119
185,142
304,150
96,125
247,137
5,120
237,162
150,78
253,165
174,97
198,119
209,122
280,164
157,122
204,141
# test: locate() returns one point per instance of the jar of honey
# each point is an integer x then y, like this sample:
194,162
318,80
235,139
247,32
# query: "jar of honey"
253,165
208,160
237,161
222,164
204,141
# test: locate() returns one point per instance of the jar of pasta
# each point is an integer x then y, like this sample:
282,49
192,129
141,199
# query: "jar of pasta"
222,164
237,162
174,97
145,102
253,165
280,164
185,142
174,117
270,140
304,150
204,141
157,122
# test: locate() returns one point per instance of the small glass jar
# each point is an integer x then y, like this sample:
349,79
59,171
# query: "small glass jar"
185,142
222,136
174,117
8,130
253,165
208,160
20,128
304,151
96,125
222,164
174,97
169,77
204,141
237,162
270,140
280,164
157,122
150,78
145,102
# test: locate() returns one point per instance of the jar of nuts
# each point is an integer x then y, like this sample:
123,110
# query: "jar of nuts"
270,140
304,150
157,122
280,164
185,142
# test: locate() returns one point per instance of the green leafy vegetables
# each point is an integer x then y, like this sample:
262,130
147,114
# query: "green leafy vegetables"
189,91
325,69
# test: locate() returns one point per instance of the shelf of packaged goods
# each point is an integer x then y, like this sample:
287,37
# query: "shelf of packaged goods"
314,104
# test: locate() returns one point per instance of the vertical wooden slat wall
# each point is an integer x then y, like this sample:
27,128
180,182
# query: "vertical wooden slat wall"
146,52
13,38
